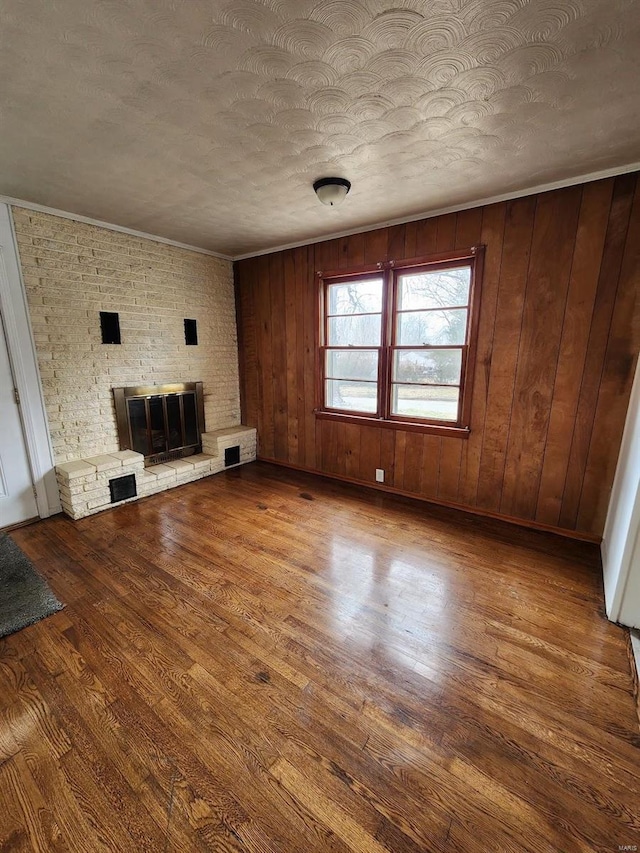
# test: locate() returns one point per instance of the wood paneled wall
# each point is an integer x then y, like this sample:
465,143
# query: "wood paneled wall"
558,339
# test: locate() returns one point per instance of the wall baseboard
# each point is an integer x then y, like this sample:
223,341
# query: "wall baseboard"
381,487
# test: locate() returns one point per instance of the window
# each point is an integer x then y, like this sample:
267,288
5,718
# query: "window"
397,344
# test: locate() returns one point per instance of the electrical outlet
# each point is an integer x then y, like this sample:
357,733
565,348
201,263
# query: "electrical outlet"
379,475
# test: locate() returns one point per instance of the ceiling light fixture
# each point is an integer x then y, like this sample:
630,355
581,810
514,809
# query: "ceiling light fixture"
332,191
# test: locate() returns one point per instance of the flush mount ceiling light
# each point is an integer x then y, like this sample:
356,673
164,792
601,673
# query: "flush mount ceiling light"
332,191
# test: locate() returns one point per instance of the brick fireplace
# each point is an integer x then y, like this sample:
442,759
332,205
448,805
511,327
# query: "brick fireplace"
76,277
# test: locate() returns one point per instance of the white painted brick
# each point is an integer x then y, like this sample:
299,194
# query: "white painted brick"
71,272
129,458
217,464
180,466
186,478
72,489
94,494
105,463
69,471
77,481
162,472
98,502
201,462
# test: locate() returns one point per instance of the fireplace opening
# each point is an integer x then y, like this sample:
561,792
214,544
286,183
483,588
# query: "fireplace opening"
160,421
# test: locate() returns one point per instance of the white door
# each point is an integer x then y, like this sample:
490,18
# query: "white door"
621,539
17,497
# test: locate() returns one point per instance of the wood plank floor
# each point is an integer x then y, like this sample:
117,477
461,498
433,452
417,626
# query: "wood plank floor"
266,661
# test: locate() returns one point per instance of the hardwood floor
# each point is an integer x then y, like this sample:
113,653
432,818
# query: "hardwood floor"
266,661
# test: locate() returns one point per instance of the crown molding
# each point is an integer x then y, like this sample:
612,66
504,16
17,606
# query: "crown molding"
372,226
110,226
542,188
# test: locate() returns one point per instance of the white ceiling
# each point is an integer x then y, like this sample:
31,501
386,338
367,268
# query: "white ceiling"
207,121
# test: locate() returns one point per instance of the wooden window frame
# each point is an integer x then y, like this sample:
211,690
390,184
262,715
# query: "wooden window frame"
389,272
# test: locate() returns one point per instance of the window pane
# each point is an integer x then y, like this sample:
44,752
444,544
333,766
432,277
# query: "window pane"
437,328
355,297
362,331
435,366
352,364
438,289
424,401
352,396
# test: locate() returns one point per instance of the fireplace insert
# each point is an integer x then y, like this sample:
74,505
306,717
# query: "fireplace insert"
160,421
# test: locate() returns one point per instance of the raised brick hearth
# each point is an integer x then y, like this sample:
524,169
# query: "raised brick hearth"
84,483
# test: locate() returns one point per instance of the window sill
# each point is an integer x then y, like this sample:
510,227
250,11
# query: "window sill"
407,426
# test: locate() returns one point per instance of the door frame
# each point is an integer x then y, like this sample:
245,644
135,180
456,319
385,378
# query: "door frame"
24,365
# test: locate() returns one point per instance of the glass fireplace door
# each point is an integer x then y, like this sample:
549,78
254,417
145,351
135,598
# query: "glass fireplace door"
159,424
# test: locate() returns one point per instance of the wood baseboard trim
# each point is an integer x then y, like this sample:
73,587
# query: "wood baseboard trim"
381,487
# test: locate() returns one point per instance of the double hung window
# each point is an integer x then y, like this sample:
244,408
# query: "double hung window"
397,344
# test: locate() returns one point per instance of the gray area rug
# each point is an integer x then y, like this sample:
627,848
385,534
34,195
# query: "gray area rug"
25,597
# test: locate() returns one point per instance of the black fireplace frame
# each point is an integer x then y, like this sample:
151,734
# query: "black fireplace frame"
122,396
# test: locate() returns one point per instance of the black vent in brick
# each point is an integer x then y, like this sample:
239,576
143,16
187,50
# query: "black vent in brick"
232,456
190,333
110,327
122,488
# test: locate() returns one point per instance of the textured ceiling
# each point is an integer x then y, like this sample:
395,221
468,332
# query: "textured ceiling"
207,121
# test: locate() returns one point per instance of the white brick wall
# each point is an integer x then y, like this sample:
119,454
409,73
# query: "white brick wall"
72,271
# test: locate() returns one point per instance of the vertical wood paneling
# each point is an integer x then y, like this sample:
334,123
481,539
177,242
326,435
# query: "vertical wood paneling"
388,456
326,255
411,240
401,459
375,247
430,474
468,228
396,242
426,236
516,249
609,273
619,366
291,348
279,356
369,453
355,250
352,450
264,321
304,384
587,257
553,239
340,465
328,431
414,448
557,341
446,232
